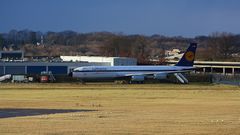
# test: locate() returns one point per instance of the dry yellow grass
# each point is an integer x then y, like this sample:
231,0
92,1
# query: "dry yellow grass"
167,109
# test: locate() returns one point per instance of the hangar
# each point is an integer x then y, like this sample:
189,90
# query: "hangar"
14,63
34,68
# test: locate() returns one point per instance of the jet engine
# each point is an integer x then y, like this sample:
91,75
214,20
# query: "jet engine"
160,76
137,78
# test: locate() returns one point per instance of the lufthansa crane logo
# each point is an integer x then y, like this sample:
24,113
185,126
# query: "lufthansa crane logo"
189,56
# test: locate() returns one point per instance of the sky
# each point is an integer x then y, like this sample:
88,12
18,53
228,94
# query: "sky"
186,18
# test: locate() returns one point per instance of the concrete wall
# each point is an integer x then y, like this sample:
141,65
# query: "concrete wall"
216,67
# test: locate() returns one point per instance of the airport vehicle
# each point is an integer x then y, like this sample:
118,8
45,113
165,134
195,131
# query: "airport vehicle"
5,77
139,73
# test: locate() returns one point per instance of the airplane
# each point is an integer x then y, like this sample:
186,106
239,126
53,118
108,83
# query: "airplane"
5,77
139,73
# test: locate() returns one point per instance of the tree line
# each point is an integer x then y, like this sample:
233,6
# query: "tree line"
218,46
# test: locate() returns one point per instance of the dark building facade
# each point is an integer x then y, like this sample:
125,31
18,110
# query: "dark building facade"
35,68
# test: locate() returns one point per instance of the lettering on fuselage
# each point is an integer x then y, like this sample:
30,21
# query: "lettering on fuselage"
99,69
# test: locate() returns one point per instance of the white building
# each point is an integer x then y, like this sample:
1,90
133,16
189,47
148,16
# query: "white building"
172,52
114,61
174,57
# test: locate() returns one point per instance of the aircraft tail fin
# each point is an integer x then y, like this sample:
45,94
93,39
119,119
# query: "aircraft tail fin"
189,56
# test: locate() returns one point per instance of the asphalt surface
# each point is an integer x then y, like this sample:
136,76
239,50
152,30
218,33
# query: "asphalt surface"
20,112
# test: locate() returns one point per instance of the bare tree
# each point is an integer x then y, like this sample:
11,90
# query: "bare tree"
1,42
222,46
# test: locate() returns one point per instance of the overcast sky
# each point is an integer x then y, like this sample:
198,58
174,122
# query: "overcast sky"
187,18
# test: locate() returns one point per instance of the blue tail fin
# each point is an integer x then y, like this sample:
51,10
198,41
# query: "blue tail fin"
189,56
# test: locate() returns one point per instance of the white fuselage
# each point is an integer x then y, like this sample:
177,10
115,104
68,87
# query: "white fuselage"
111,72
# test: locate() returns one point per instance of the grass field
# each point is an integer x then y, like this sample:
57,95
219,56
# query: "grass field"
73,109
